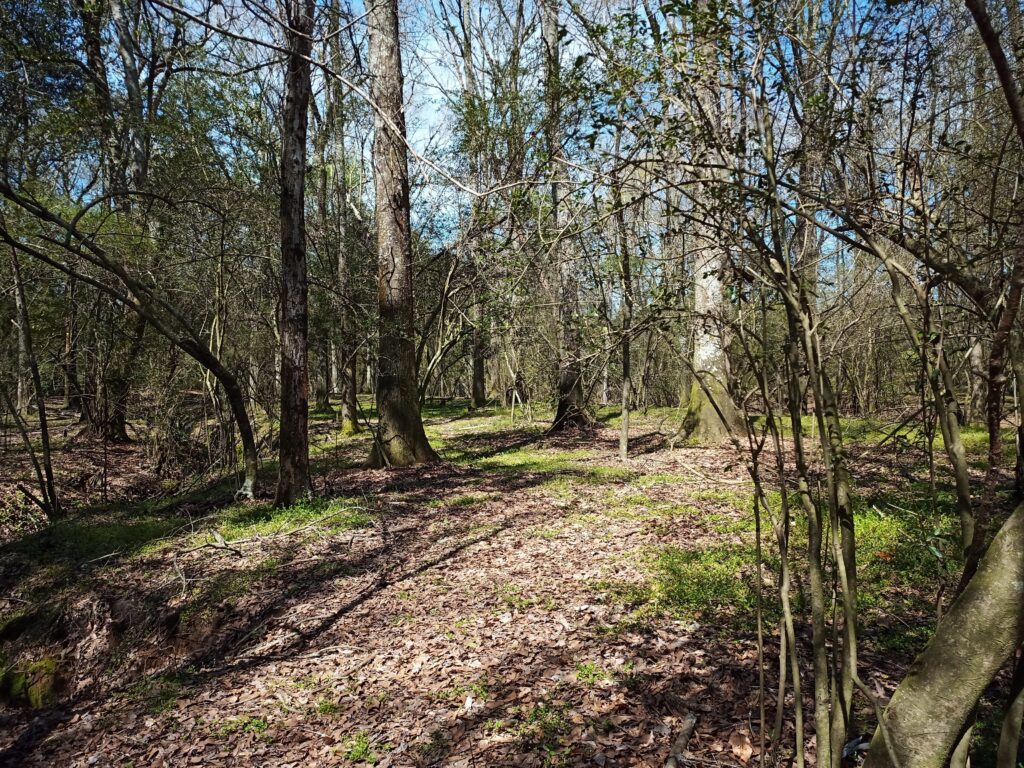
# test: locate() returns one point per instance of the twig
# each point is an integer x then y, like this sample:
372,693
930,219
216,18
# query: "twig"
677,753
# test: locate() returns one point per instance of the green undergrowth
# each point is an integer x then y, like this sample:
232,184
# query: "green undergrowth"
158,693
262,519
542,728
905,552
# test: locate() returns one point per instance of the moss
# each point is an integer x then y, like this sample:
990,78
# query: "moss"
13,685
36,685
349,428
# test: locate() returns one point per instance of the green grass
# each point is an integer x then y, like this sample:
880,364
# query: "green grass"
466,500
262,519
328,707
905,551
533,459
459,691
157,694
86,538
590,673
511,596
543,728
359,749
253,724
690,583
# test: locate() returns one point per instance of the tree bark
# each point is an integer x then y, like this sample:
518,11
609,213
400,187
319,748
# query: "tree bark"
570,410
981,630
479,384
293,468
401,439
344,241
626,276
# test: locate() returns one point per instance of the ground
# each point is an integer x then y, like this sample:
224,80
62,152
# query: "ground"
529,601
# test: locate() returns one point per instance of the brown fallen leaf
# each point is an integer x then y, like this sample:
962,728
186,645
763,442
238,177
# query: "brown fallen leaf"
741,746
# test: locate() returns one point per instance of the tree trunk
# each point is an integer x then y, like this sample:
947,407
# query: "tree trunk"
293,469
626,275
479,389
709,362
51,501
981,630
401,440
69,365
322,393
345,352
570,410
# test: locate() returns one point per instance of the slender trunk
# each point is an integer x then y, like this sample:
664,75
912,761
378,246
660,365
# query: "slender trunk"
69,365
822,688
401,439
479,389
49,489
626,274
22,398
345,240
293,469
322,394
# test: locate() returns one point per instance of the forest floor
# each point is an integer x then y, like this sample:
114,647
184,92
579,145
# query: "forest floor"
529,601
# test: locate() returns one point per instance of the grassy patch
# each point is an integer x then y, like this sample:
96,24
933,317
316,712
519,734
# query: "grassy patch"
466,500
158,693
459,691
686,583
359,748
905,552
590,673
690,582
543,728
328,707
88,538
511,596
257,726
262,519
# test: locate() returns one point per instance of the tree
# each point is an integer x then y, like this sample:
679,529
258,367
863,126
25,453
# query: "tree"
400,440
570,408
293,471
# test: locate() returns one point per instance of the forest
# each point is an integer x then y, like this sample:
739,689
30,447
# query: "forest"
511,383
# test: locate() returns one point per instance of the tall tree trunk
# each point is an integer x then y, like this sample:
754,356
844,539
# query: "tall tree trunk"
571,406
478,342
703,422
626,275
401,440
293,470
344,241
